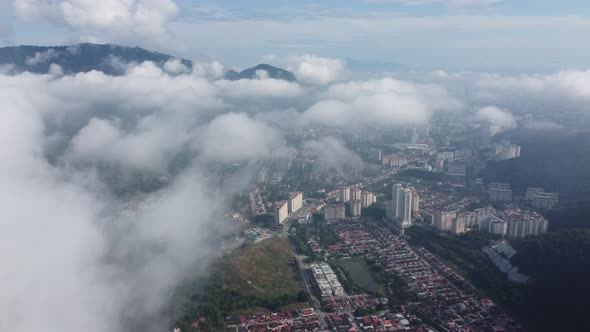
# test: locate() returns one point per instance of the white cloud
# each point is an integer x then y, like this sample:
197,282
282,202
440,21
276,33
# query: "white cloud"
379,110
311,69
331,149
211,70
236,137
570,83
150,147
6,69
41,57
176,67
496,116
55,70
261,74
379,103
99,267
116,18
558,92
102,268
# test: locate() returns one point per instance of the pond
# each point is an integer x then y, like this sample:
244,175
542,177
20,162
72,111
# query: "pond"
360,274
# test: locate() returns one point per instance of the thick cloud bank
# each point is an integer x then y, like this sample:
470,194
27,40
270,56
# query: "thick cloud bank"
68,264
385,102
80,256
74,258
562,91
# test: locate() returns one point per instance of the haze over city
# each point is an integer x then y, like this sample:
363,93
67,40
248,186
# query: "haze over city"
383,165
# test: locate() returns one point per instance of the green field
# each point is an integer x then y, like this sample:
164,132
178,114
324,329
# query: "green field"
265,269
260,277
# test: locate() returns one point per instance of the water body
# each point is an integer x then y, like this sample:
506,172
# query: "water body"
358,270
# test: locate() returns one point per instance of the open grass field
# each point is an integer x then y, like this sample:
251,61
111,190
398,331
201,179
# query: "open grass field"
265,269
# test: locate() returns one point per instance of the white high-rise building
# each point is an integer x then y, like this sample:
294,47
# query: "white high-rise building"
526,227
443,220
344,194
355,194
355,208
281,211
500,192
334,211
499,227
295,202
401,204
397,203
406,215
368,198
540,199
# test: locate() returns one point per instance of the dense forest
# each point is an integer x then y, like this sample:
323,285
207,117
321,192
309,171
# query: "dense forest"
560,266
558,161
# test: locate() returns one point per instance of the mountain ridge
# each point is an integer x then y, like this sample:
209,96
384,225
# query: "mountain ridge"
108,58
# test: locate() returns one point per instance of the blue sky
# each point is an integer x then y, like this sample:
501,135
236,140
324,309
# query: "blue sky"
481,35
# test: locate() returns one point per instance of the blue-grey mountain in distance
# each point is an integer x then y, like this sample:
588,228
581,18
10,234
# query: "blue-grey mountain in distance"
273,72
106,58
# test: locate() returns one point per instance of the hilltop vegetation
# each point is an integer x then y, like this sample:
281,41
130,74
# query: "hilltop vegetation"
556,161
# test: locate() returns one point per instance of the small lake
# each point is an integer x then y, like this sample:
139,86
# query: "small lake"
359,272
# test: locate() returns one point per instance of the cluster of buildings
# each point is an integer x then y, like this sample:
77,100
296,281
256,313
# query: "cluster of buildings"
355,194
326,281
284,209
351,201
342,322
491,223
350,303
388,322
334,211
454,305
393,321
257,205
448,221
353,242
449,212
506,151
443,158
513,221
500,192
444,297
538,198
303,321
394,160
524,222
